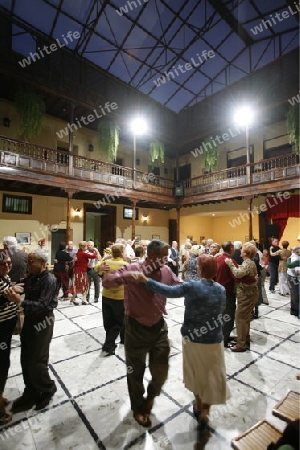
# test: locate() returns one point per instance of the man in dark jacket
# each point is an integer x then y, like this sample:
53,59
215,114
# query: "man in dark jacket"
40,288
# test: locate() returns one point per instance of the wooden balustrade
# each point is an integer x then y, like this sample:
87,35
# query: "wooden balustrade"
28,156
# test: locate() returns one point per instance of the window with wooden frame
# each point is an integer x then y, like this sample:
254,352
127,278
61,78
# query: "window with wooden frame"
16,204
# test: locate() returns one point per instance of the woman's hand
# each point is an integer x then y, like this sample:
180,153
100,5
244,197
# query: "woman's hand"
12,295
18,288
228,261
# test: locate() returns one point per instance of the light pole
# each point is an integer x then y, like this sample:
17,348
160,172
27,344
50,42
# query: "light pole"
244,118
138,126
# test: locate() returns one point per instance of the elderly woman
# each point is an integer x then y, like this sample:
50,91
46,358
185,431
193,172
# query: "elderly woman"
8,319
246,294
284,254
190,266
204,371
80,278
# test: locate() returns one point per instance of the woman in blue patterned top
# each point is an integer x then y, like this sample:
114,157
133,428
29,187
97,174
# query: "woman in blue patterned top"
204,371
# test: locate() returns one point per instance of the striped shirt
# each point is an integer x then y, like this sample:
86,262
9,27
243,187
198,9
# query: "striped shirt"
8,310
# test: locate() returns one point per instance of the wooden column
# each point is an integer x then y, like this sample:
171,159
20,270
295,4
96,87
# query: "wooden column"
69,212
71,137
250,232
178,225
133,220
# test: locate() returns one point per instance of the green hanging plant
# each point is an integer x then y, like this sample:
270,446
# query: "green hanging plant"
157,151
292,125
31,108
108,139
211,155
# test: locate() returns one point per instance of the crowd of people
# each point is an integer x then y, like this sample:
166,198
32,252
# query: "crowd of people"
222,286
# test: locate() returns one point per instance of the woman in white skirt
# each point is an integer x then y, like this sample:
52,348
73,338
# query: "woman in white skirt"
204,371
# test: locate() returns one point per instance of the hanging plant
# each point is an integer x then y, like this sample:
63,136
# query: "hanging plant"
292,125
211,155
108,139
31,108
157,151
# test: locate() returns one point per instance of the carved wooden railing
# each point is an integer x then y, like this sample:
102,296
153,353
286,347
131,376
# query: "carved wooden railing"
27,156
266,170
32,157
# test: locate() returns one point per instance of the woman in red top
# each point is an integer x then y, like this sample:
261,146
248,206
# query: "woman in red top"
80,279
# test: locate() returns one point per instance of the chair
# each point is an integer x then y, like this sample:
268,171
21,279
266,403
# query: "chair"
288,408
257,437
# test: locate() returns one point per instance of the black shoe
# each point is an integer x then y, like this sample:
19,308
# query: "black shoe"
109,353
44,398
229,344
23,403
96,300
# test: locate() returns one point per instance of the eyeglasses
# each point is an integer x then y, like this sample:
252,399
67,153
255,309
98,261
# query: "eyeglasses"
5,263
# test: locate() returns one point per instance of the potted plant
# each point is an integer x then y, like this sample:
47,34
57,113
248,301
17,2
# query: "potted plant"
108,139
31,108
292,125
211,156
157,151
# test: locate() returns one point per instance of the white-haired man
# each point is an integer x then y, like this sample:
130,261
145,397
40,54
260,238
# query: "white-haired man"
40,298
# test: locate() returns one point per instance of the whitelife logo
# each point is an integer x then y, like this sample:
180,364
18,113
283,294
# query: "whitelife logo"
205,55
279,17
124,9
296,99
48,49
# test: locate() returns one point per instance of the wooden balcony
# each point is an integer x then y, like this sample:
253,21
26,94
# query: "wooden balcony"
40,165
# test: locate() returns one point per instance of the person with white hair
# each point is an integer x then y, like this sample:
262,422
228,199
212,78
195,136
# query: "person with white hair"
40,298
18,259
293,274
190,265
237,252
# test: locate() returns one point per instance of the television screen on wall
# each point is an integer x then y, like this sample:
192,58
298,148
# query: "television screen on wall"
127,213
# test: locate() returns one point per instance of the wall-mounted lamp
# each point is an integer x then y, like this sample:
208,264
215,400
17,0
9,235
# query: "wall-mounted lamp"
91,148
6,122
145,218
77,212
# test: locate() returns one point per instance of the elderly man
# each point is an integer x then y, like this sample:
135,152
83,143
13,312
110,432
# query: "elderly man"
146,331
40,298
173,258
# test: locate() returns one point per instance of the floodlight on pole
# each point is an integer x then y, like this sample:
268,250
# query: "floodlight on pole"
244,117
138,127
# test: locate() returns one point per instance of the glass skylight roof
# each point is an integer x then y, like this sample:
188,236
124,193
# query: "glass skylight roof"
141,41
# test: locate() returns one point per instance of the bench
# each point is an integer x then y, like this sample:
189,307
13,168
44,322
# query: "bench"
257,437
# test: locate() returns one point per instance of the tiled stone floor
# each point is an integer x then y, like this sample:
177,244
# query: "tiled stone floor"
91,407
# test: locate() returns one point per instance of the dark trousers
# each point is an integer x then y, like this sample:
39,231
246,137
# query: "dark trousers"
93,276
113,322
273,271
140,341
228,316
6,330
174,268
36,336
63,282
293,284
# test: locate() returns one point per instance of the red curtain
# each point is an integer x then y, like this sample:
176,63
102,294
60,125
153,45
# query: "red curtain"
280,208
